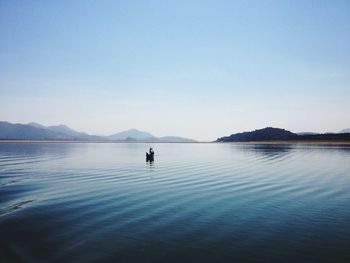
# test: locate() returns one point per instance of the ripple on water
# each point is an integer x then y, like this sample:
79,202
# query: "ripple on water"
196,202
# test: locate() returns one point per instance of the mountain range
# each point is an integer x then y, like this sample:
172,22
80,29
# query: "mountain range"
36,131
136,135
277,134
266,134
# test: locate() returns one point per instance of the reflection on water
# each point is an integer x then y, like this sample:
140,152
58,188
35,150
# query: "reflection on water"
194,203
268,151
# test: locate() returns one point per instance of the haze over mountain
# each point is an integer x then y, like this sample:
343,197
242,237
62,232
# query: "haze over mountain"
307,133
132,133
63,129
136,135
36,131
81,135
345,131
174,139
37,125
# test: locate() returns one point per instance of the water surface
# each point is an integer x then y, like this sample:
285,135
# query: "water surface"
195,203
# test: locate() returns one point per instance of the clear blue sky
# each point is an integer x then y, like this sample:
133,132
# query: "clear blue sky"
199,69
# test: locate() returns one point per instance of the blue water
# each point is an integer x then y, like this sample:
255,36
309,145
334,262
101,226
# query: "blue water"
195,203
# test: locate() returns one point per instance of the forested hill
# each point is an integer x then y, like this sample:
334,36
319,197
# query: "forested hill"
277,134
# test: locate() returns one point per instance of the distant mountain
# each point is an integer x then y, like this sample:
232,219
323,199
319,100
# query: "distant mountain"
136,135
277,134
66,130
131,134
10,131
174,139
345,131
81,135
37,125
266,134
36,131
307,133
63,129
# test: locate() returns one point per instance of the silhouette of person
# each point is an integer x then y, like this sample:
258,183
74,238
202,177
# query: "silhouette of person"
149,156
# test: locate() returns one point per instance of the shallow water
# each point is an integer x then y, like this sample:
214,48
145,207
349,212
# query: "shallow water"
195,203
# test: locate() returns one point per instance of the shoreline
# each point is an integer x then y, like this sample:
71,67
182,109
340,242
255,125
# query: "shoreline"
293,142
199,142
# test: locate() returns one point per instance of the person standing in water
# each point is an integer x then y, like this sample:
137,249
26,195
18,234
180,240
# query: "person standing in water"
150,155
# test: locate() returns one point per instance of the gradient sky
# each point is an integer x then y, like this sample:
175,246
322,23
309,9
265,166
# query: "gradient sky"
198,69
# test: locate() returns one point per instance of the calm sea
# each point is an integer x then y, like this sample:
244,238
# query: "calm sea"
195,203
